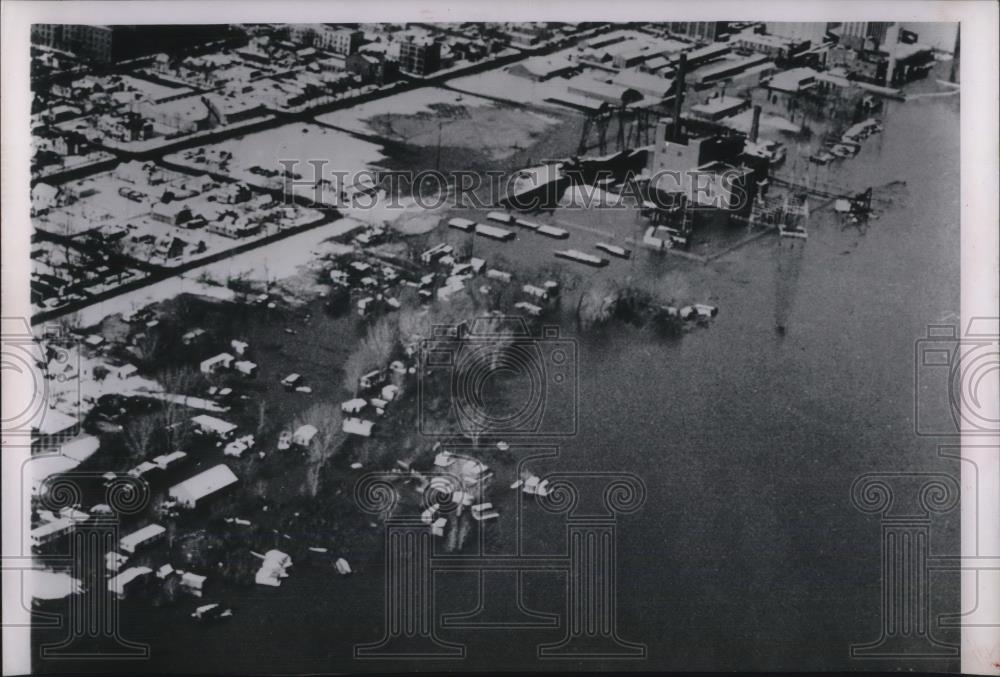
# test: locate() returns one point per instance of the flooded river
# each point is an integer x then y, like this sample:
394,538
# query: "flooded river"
748,554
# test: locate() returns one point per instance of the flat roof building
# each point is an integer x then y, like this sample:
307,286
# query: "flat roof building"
193,490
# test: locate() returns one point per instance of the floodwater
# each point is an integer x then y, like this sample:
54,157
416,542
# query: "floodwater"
747,553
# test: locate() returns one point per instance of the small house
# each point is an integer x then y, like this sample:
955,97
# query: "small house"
192,337
354,406
304,435
128,581
114,561
215,364
246,367
142,538
372,379
192,584
192,491
357,426
210,425
292,381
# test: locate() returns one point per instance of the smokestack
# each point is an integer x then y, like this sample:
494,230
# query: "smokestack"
679,95
755,125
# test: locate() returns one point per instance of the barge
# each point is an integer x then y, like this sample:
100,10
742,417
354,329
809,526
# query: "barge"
581,257
614,250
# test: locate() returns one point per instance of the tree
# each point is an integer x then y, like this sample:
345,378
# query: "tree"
327,419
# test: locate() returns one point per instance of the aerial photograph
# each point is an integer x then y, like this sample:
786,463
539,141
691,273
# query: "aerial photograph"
391,347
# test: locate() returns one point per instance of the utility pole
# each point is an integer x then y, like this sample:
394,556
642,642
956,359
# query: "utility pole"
437,159
955,55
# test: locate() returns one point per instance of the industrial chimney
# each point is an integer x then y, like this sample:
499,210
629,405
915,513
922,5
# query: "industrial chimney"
755,125
679,96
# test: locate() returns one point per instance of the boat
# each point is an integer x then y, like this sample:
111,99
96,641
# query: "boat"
500,217
581,257
211,612
614,250
494,233
461,224
553,232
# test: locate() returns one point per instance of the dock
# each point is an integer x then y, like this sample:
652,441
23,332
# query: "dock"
582,257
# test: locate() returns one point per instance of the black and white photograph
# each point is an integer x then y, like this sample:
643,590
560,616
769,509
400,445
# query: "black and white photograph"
383,338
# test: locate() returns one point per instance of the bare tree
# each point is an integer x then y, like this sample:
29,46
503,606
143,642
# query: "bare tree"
327,419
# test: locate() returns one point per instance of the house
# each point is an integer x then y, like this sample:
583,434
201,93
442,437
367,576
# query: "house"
193,336
80,448
357,426
214,364
169,461
246,367
239,347
129,580
172,213
540,68
194,490
372,379
45,196
193,584
114,561
353,406
292,381
304,435
210,425
142,538
51,531
169,247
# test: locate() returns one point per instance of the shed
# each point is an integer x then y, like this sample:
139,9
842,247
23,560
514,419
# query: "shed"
304,435
214,364
213,425
127,580
358,426
143,537
193,490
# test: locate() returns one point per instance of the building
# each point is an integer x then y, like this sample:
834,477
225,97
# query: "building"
192,491
339,39
214,426
109,44
142,538
129,580
217,363
774,47
419,56
51,531
867,35
799,31
720,107
541,68
707,31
